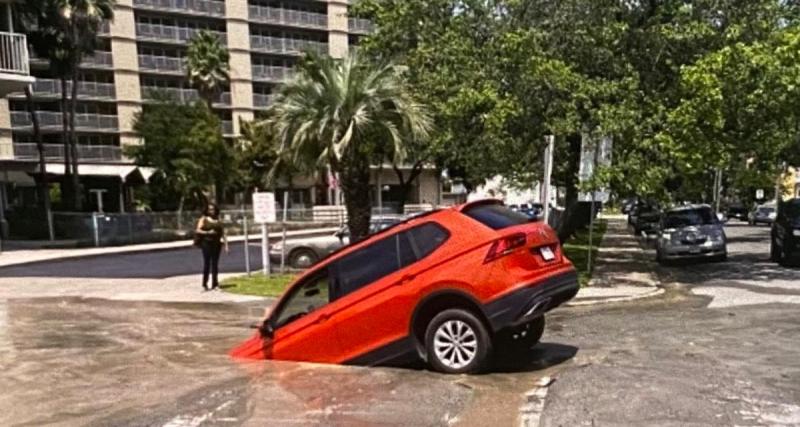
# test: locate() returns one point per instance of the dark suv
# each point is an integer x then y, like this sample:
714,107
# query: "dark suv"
786,232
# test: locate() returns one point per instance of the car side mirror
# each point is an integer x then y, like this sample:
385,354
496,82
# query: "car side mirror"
267,329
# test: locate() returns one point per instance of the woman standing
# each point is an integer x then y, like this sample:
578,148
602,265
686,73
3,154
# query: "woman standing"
211,232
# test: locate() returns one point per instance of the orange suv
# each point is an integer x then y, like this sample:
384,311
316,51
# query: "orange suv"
448,287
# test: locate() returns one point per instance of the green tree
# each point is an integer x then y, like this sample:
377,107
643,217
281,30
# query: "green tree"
207,65
64,32
339,113
185,146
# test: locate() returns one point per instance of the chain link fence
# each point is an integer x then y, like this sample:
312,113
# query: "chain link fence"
112,229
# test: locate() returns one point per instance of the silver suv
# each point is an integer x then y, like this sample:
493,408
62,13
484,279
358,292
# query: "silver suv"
692,231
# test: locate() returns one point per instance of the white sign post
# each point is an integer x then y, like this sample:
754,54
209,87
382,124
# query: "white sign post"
264,213
759,194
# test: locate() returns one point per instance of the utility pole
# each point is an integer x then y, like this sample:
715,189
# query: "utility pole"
548,172
591,208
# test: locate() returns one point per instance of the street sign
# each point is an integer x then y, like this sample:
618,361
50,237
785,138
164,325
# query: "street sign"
759,194
264,208
264,212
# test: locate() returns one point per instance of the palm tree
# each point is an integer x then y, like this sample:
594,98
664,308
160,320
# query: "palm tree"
339,113
64,31
207,64
81,20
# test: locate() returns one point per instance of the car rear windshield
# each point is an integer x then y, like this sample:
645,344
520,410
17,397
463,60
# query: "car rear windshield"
766,210
496,217
689,217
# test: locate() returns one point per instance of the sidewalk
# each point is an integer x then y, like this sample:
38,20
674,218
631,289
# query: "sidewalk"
623,272
26,256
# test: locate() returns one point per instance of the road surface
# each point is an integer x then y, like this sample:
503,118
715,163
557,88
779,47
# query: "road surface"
719,348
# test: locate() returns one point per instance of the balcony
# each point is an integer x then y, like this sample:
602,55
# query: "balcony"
280,16
162,64
288,46
14,63
51,88
227,127
99,59
193,7
51,120
360,25
170,34
55,152
182,95
261,100
271,73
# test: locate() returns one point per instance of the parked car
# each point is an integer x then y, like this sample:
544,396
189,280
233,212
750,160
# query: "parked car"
785,236
303,253
737,211
647,223
448,287
628,205
641,209
533,210
763,214
692,231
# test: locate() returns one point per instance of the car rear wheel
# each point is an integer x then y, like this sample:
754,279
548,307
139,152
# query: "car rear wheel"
302,258
457,342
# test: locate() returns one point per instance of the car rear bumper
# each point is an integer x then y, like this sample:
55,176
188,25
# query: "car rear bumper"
533,300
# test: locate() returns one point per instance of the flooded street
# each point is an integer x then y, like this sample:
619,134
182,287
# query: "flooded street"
70,361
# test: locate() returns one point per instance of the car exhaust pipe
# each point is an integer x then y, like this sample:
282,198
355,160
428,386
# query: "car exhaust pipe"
542,303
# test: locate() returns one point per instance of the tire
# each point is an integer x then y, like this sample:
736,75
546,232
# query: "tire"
445,328
302,258
523,338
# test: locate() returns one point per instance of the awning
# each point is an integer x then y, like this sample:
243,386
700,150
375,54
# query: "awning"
121,171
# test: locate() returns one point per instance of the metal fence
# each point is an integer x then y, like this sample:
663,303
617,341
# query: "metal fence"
111,229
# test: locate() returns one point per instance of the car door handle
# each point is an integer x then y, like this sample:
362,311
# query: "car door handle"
323,318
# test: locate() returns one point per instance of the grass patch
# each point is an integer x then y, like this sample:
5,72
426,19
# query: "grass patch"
258,284
577,249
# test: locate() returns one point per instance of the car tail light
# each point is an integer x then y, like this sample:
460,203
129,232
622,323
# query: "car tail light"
505,246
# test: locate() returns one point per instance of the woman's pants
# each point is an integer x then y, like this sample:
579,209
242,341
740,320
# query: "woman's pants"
211,251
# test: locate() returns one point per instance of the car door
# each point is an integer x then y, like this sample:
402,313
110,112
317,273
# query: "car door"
303,328
377,295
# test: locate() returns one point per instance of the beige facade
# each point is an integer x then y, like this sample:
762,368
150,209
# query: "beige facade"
141,53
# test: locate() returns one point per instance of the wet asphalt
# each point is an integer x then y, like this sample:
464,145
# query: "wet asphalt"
720,347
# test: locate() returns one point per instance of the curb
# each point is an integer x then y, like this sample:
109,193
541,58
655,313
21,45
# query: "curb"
654,292
183,244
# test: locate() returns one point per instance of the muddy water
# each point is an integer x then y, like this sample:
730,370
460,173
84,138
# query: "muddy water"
98,362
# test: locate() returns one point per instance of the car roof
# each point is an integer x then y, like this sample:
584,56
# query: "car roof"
688,207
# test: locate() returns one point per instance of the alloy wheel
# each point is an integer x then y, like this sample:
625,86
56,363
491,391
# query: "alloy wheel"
455,344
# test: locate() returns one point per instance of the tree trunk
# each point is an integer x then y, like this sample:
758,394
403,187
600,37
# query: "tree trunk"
405,184
66,196
73,142
569,219
355,185
42,183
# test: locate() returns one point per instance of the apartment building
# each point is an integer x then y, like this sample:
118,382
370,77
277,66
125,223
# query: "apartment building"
142,51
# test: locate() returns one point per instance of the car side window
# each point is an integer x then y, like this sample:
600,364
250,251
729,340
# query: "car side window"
367,265
305,298
426,238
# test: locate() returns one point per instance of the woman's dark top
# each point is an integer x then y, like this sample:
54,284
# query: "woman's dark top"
211,224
